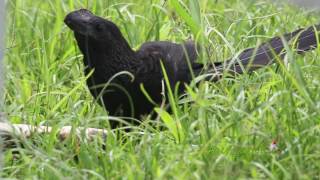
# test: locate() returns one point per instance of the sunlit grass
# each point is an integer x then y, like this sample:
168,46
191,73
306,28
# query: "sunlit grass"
227,127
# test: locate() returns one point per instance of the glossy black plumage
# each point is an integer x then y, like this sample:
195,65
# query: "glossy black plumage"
107,52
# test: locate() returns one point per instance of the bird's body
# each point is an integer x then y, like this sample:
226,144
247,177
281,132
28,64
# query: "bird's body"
107,53
123,95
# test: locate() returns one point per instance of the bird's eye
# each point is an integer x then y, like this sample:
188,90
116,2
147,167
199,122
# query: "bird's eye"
99,27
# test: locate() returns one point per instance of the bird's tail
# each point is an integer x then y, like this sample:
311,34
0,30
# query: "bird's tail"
251,59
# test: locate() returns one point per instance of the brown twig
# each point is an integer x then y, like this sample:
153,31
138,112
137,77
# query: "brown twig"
8,131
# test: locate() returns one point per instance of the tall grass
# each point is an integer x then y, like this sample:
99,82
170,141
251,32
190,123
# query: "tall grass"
227,126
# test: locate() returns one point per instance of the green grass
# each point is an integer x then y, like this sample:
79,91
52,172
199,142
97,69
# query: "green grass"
218,130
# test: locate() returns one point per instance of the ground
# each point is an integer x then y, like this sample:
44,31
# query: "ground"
225,129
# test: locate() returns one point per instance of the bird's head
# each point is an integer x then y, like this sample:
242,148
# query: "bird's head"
84,23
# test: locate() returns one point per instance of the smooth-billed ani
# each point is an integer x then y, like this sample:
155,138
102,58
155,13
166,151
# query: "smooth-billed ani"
107,53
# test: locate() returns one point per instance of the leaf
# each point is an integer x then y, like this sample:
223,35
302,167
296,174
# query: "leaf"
180,10
173,126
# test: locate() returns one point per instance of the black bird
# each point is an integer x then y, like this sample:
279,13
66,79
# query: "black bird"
107,53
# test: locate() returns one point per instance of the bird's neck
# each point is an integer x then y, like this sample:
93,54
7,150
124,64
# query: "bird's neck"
107,58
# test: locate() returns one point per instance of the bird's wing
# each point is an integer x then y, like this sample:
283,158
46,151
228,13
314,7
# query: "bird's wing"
174,57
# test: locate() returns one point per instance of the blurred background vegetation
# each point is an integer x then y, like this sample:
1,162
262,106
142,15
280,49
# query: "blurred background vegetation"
227,128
